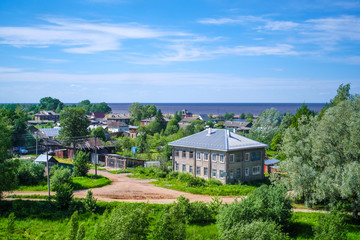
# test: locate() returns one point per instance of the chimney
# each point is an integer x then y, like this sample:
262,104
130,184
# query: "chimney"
234,130
228,132
209,131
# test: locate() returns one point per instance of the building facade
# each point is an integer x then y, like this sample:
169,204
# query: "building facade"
221,155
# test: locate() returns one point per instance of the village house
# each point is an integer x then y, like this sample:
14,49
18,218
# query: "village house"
219,154
185,113
118,127
147,121
238,126
119,117
47,116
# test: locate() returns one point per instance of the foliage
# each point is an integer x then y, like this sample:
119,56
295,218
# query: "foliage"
29,173
124,223
10,223
90,181
343,93
59,176
81,164
229,116
49,103
172,127
267,203
266,125
330,227
304,113
259,230
74,124
64,195
73,226
98,132
140,112
89,107
90,202
81,232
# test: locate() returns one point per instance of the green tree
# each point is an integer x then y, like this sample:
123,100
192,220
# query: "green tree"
302,112
242,116
343,93
266,125
99,132
59,176
172,127
81,164
73,226
64,196
74,124
90,202
49,103
330,227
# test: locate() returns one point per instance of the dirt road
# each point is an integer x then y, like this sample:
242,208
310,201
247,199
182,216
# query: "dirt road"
127,189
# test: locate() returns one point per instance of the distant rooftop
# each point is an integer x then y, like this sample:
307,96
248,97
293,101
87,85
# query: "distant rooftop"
217,139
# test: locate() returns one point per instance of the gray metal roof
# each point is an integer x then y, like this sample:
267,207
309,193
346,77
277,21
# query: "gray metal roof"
217,139
271,161
51,132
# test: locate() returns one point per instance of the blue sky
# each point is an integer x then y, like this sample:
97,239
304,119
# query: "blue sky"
178,51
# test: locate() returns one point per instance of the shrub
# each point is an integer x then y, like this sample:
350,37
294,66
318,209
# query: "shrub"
256,230
214,206
90,202
64,195
10,223
60,176
73,226
169,227
160,174
200,213
330,227
182,209
81,164
173,174
267,203
81,232
123,224
213,182
30,173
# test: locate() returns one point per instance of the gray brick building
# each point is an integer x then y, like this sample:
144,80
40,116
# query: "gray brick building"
219,154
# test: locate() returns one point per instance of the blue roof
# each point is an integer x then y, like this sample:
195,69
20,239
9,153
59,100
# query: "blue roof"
271,161
217,139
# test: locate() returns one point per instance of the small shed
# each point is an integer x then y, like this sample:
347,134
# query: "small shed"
118,161
42,159
270,165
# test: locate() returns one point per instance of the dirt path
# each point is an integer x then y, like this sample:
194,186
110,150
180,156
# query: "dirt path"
127,189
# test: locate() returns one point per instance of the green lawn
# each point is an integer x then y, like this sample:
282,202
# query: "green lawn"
78,183
222,190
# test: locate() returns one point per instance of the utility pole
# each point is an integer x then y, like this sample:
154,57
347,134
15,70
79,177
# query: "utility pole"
95,156
47,166
36,143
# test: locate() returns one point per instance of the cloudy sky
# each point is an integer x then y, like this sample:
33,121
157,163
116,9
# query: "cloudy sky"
178,51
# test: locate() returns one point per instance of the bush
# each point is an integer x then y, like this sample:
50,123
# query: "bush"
60,176
123,224
168,226
81,164
73,226
160,174
330,227
200,213
267,203
173,174
64,195
256,230
30,173
90,202
10,223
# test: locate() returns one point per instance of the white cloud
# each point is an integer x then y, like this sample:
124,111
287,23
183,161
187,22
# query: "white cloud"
50,60
348,5
9,70
79,36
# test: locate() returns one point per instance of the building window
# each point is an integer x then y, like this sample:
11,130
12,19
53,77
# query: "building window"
176,166
247,156
238,157
184,168
191,154
198,155
222,159
231,174
213,157
247,171
221,174
213,174
231,158
206,156
184,154
205,171
256,170
197,170
255,156
238,173
177,153
190,169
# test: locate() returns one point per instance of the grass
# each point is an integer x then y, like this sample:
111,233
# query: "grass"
33,196
121,171
99,167
79,183
202,232
222,190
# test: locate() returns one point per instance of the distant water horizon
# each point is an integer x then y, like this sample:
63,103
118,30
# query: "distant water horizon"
220,108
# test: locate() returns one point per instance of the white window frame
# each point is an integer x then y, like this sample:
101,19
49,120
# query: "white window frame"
206,156
258,168
247,157
212,171
198,170
198,156
177,153
177,166
207,171
221,174
213,159
183,169
232,158
183,152
223,158
190,169
247,172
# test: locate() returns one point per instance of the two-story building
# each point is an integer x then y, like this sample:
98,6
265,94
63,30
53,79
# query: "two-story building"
219,154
